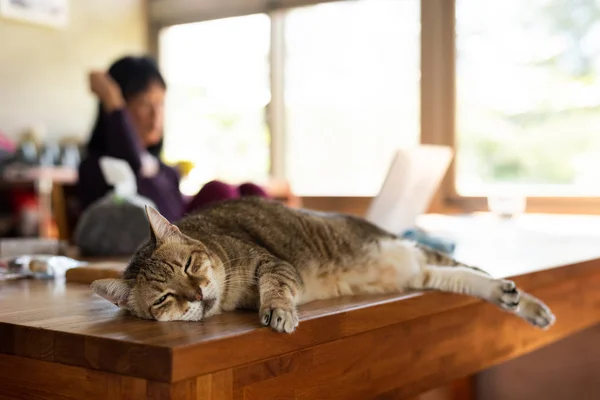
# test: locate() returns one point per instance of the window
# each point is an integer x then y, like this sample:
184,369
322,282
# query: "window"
218,87
528,97
351,92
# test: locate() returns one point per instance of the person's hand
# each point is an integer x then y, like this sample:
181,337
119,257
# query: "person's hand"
107,90
293,201
281,190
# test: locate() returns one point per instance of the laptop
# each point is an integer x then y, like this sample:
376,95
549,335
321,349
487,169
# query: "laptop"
408,189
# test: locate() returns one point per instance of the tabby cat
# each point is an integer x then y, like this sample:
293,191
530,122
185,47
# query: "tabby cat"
259,254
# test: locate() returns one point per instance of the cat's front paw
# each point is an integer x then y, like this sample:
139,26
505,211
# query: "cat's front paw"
535,312
505,294
280,319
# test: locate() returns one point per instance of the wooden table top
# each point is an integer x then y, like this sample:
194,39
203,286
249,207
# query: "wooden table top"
513,247
68,324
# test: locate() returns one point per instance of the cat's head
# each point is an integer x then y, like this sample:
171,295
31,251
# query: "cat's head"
173,277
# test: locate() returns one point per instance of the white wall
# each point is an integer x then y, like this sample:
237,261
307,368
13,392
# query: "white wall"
43,72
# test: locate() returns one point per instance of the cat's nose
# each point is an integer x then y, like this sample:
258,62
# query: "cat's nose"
196,296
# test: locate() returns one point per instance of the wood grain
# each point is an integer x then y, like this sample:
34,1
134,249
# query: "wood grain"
24,378
100,270
402,360
387,347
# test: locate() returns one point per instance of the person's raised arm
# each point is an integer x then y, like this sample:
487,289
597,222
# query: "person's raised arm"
121,139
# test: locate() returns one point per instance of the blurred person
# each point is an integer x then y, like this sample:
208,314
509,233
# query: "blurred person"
129,126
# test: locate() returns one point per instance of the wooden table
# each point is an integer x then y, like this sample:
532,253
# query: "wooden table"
63,342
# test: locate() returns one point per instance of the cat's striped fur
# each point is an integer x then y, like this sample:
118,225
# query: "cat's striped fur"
256,253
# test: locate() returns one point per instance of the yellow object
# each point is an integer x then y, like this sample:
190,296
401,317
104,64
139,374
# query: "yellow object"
184,167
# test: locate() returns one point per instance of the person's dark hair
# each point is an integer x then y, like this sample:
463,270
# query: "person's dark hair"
133,75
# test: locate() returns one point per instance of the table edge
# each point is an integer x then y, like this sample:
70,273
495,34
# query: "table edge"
179,363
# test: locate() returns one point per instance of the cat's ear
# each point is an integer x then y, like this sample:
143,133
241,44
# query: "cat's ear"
160,227
114,290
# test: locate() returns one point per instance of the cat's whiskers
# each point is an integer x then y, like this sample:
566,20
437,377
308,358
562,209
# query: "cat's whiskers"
228,276
241,280
243,284
238,278
241,277
231,260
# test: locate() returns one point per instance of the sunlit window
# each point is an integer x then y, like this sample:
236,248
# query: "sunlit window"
528,97
218,87
351,91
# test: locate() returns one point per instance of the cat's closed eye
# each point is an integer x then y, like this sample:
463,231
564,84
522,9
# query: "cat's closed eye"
162,299
196,262
187,264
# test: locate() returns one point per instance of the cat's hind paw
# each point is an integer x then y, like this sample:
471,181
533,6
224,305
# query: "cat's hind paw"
280,319
535,312
505,294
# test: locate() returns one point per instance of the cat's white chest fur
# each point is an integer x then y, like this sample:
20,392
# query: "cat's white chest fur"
386,269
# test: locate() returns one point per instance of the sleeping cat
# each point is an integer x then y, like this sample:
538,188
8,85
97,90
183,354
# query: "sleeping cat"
259,254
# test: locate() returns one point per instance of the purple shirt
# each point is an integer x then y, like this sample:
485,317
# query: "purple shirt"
122,142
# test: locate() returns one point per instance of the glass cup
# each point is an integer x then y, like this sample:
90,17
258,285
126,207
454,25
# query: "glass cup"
507,206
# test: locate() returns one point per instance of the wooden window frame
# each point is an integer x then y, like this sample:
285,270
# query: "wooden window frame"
437,115
436,104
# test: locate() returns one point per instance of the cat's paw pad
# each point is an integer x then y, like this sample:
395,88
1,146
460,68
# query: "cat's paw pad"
280,319
536,313
506,295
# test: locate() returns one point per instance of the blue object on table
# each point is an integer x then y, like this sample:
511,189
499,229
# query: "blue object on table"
435,242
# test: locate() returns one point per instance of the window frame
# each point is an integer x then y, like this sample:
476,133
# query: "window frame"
449,200
437,111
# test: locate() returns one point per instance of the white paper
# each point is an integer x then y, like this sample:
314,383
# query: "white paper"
412,180
118,173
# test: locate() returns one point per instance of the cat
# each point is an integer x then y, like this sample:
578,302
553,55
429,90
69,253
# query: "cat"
259,254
